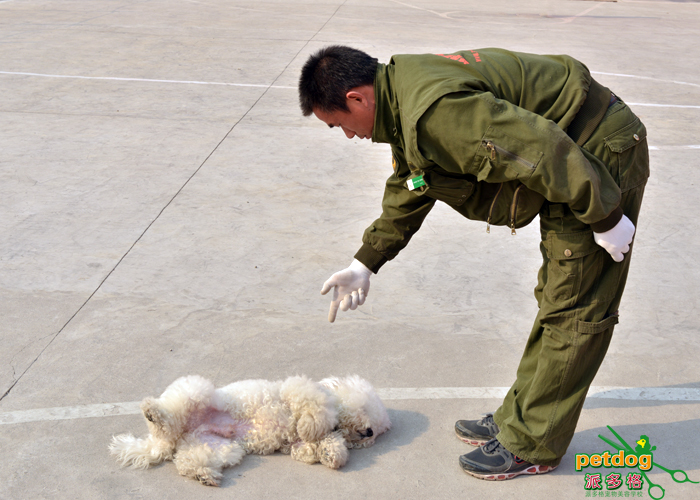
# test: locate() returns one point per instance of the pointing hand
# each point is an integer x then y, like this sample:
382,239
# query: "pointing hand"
350,288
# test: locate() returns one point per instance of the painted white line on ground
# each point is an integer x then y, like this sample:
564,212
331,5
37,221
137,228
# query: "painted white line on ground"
645,78
662,105
444,15
194,82
443,393
602,392
674,148
645,393
144,80
570,19
69,412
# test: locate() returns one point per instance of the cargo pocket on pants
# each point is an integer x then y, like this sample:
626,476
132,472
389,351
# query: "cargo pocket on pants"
565,252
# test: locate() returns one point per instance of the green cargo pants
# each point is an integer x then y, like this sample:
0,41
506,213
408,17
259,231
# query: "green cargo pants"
578,292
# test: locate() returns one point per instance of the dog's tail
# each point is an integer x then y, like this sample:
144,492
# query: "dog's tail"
140,453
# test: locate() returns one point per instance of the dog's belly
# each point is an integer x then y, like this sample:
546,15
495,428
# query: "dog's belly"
211,422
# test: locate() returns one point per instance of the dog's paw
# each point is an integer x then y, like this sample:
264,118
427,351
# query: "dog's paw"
305,452
208,479
332,451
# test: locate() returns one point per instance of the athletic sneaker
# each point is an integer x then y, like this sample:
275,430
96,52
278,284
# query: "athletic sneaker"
494,463
476,432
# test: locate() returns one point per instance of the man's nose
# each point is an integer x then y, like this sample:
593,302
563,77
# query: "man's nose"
348,133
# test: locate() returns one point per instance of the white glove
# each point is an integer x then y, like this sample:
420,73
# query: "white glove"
350,288
617,240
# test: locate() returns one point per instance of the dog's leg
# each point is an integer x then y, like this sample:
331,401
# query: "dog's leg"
330,451
204,461
312,406
140,453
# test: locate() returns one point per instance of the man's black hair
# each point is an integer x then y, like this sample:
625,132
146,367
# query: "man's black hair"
329,74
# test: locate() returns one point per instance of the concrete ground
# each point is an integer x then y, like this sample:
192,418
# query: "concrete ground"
165,209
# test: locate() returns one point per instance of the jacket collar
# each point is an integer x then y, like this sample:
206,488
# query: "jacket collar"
387,124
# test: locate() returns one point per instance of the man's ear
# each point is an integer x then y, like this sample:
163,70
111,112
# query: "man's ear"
358,96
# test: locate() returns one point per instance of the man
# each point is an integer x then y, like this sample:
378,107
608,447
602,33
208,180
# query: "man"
502,137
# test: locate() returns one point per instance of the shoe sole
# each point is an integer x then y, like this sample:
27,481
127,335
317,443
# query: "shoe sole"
503,476
473,441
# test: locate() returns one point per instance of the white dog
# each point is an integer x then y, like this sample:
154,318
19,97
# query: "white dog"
203,429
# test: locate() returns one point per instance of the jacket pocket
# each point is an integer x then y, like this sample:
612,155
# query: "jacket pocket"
452,190
505,158
630,154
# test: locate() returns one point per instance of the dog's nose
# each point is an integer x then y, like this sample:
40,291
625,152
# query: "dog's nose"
367,434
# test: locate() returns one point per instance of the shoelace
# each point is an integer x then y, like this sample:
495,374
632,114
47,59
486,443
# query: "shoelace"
491,446
487,420
489,423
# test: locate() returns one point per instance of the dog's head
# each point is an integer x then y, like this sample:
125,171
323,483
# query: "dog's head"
170,415
361,414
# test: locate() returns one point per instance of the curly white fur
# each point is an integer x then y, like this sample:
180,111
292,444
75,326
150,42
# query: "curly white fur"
361,414
203,429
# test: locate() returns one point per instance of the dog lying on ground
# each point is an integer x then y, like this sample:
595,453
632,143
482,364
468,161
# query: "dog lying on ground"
203,429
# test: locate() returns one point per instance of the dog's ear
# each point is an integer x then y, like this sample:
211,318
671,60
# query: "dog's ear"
151,411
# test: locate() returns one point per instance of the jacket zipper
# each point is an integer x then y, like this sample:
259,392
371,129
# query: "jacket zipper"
493,148
513,208
493,204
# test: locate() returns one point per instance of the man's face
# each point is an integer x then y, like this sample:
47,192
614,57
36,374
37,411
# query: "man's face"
359,120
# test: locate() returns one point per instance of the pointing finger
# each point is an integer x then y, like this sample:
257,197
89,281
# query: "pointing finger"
332,311
334,305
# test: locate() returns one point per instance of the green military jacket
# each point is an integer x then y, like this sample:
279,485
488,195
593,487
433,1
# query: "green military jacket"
485,130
